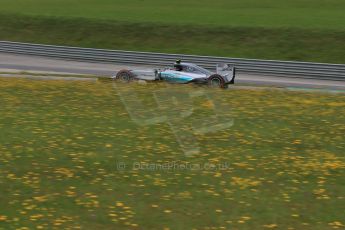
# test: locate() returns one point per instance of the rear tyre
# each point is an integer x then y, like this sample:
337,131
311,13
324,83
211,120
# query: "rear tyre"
124,76
217,81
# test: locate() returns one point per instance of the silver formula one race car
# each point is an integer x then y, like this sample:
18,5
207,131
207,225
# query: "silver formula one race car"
183,73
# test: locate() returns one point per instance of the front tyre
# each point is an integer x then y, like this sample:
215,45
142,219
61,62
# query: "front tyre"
124,76
216,80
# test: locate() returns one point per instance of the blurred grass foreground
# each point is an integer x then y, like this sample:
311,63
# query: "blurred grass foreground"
82,155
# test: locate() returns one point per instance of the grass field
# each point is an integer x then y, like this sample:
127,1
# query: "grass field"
314,14
69,155
294,30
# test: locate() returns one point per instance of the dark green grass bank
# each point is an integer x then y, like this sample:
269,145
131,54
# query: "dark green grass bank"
304,30
315,45
304,14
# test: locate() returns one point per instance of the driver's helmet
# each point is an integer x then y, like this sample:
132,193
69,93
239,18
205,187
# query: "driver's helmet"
177,65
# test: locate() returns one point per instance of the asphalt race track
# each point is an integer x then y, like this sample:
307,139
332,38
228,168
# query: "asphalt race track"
10,62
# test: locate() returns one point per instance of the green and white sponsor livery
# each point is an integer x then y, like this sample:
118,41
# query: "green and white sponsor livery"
183,73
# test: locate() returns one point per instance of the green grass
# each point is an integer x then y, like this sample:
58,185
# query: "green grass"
315,14
293,30
281,44
61,144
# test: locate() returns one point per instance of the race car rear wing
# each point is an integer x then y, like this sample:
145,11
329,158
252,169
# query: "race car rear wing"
227,71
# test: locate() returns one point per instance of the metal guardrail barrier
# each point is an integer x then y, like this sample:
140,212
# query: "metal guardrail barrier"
290,69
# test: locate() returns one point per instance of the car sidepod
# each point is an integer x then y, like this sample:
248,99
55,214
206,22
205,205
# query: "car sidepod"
180,77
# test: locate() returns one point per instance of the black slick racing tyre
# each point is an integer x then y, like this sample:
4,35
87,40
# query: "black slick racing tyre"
216,80
124,76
